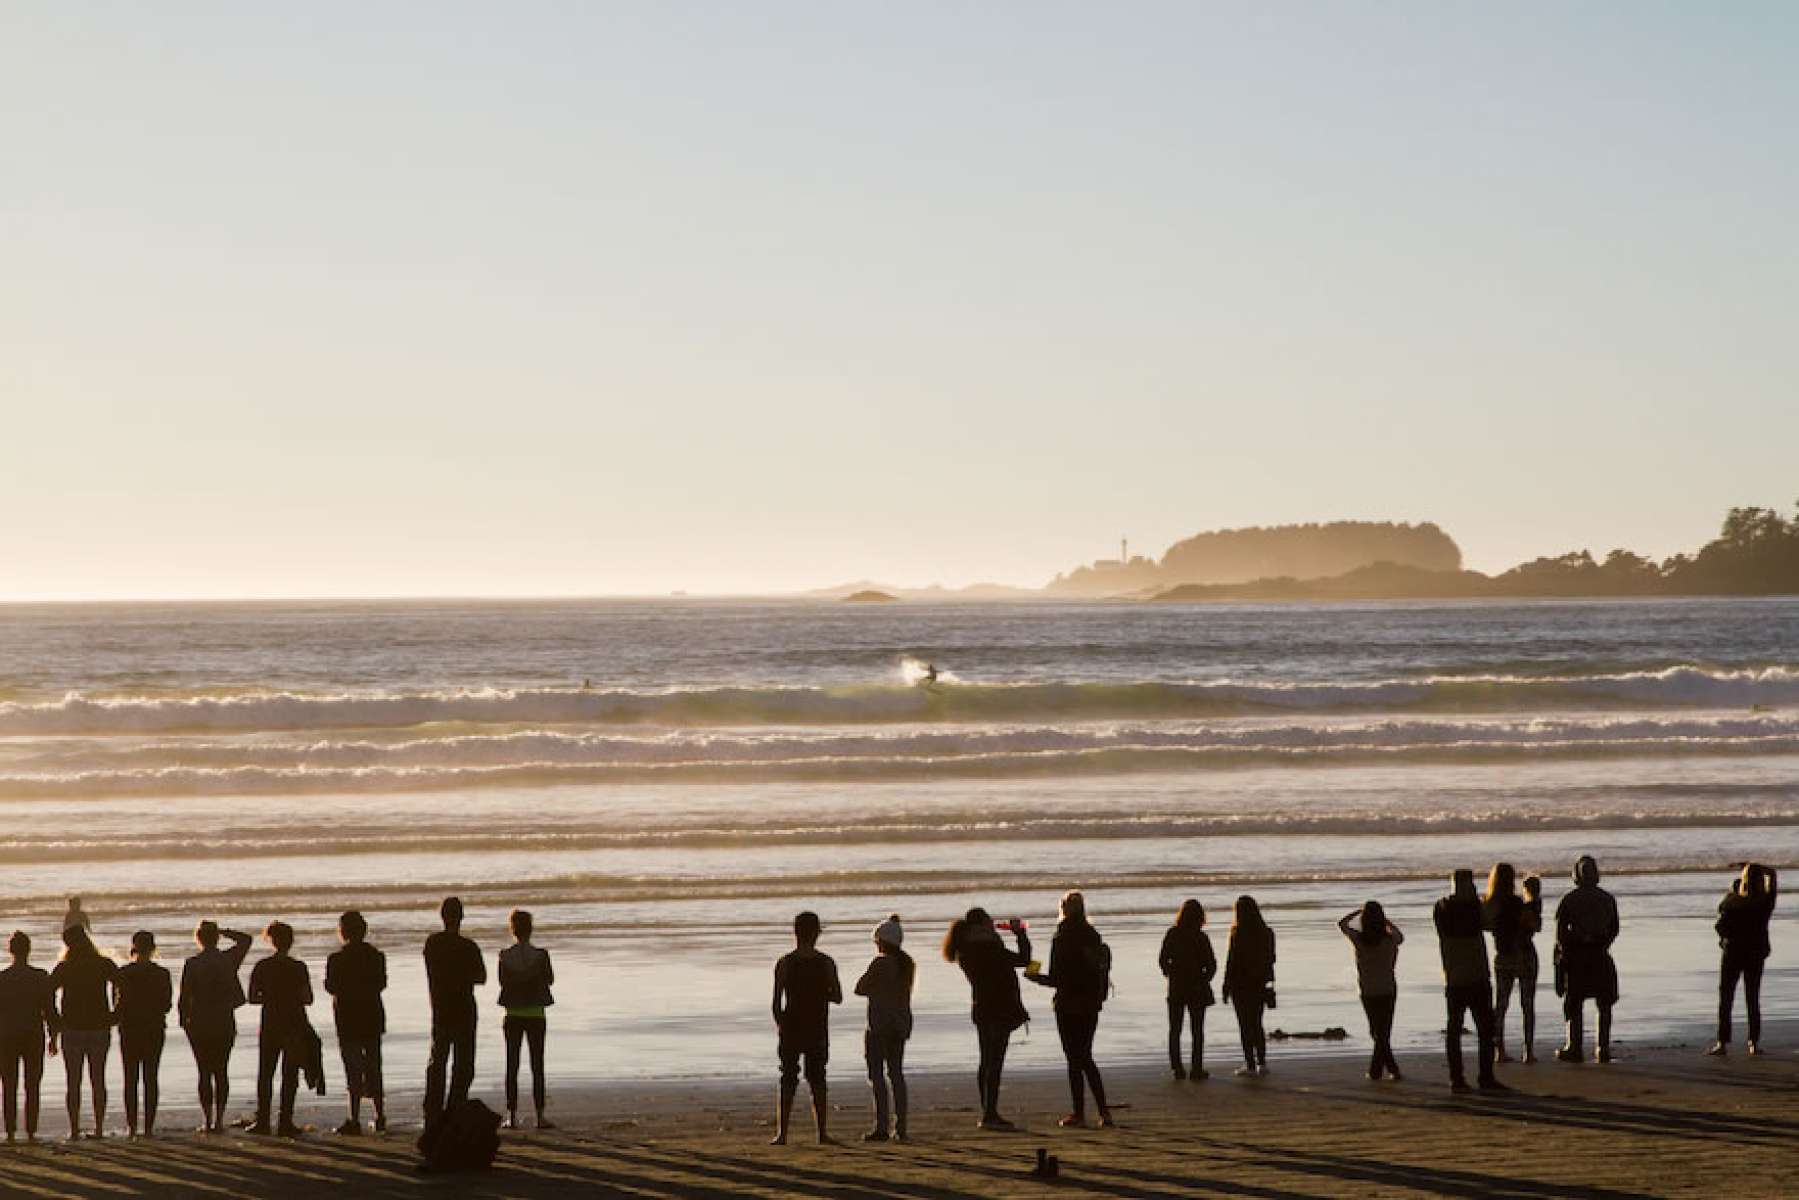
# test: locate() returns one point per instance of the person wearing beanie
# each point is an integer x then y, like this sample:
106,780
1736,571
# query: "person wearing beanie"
887,983
1586,925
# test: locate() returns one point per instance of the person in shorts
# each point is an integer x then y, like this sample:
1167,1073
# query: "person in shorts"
806,986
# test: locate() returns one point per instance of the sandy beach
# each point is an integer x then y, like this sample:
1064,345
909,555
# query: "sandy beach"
1663,1121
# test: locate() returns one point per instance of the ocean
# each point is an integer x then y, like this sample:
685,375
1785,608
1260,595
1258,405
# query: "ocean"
665,783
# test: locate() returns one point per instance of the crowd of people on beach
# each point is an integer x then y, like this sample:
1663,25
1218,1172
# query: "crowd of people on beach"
73,1009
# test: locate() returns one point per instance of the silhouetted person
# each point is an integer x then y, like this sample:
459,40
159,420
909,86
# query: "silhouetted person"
282,985
1586,925
355,977
992,971
1513,920
76,915
525,979
1467,987
144,997
1376,941
453,970
1080,970
887,983
1743,917
1249,981
28,1020
211,993
1189,964
806,986
84,977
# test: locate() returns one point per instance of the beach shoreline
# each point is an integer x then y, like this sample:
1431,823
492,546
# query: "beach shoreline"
1662,1121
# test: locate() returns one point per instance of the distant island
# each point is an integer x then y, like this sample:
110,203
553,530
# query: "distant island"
1755,554
1230,556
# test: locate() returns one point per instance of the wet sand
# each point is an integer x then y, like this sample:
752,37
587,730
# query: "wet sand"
1660,1122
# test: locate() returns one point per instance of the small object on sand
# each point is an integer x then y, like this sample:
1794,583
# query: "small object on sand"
1048,1165
1336,1033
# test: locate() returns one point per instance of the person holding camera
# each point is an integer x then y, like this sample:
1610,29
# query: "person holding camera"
1467,988
1743,918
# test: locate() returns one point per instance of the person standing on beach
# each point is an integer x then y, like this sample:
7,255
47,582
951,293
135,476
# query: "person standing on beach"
76,915
888,985
355,977
1743,918
211,993
1513,921
282,985
144,997
1189,965
1376,942
525,979
1249,981
806,986
1586,925
454,968
1467,988
84,977
1080,970
973,944
28,1019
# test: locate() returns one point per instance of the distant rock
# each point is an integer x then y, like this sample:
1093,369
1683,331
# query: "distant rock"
869,597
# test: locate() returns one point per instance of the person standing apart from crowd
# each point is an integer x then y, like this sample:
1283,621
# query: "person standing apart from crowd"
355,977
453,970
211,993
84,977
1513,920
28,1021
1249,982
145,995
1586,925
887,983
525,978
1743,918
973,944
1376,942
806,986
1467,988
1080,971
282,985
1189,965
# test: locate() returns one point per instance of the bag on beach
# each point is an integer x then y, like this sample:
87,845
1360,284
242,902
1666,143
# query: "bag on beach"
466,1138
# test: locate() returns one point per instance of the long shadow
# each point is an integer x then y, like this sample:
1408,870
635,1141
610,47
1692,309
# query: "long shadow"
1096,1178
1607,1116
782,1176
1441,1180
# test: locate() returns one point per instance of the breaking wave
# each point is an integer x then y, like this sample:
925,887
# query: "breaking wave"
1672,688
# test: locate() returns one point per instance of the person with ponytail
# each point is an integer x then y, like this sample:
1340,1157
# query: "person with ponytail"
973,944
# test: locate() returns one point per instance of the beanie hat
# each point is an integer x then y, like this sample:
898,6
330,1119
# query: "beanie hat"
889,931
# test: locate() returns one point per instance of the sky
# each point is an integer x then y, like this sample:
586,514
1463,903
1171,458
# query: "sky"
545,299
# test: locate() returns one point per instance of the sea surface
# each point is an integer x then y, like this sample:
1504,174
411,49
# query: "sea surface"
665,783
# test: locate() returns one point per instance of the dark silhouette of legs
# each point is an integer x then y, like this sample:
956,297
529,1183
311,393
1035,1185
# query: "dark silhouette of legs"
452,1054
1465,1000
1249,1029
521,1032
994,1040
1179,1011
1076,1031
1380,1029
22,1061
142,1053
1752,999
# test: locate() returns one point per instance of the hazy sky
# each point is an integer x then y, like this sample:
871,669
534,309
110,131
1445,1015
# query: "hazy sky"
587,298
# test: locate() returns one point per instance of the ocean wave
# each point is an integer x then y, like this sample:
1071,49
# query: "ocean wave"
941,828
1675,687
549,758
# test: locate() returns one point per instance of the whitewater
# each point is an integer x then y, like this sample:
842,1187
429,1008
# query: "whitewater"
666,782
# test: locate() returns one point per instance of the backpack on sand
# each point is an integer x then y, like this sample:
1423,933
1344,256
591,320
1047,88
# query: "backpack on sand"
466,1138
